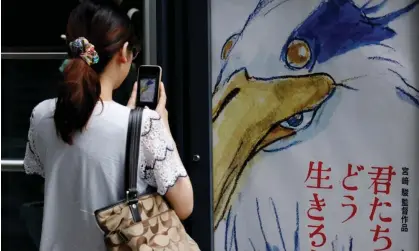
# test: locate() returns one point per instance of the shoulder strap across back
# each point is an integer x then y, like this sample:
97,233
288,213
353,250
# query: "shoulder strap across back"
132,154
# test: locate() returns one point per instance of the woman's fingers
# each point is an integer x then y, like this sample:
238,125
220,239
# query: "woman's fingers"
162,97
133,98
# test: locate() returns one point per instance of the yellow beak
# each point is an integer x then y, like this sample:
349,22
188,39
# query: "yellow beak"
246,118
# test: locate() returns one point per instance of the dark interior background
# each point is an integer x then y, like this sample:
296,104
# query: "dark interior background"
34,25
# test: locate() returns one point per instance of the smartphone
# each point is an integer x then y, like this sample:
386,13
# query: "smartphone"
148,80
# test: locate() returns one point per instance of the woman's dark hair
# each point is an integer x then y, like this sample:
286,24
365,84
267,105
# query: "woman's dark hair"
107,28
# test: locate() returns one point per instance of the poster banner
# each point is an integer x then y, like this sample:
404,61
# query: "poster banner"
315,124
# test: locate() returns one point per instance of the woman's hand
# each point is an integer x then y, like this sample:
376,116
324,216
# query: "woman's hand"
133,99
161,106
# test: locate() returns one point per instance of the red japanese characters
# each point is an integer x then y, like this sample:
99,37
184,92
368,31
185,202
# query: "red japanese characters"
381,182
318,179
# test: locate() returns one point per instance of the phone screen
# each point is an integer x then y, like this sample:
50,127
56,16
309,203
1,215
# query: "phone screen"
147,89
148,85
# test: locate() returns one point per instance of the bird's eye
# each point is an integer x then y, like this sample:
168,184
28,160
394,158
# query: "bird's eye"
298,54
299,121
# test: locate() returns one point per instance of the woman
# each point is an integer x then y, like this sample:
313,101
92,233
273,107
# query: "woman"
77,141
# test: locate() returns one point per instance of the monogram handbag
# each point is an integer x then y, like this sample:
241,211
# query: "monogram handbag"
141,222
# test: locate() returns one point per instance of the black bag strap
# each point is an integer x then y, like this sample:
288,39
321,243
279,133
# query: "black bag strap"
132,154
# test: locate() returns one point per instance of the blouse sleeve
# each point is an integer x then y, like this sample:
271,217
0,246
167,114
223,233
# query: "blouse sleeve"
32,162
161,166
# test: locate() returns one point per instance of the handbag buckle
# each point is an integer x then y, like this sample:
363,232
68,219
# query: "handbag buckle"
132,196
122,237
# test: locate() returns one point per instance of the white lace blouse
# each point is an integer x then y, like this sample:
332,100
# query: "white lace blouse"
89,174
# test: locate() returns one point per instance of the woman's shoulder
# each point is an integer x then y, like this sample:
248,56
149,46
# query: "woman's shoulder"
43,109
120,114
46,105
46,108
117,114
